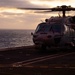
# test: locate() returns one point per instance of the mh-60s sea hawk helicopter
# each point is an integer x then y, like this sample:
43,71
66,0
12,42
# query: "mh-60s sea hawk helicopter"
55,31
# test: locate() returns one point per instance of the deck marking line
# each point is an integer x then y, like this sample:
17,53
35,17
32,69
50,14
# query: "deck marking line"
45,59
23,63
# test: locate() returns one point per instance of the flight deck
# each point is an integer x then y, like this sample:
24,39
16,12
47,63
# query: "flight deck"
30,61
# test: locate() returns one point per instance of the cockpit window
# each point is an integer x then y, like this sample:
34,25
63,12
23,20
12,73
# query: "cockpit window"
42,28
52,27
56,28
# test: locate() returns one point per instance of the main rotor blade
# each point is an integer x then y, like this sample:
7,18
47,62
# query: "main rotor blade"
43,11
36,8
58,8
53,9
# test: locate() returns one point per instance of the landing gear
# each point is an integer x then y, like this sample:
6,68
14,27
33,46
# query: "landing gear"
41,47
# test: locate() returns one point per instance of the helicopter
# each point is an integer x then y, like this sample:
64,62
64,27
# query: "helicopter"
57,31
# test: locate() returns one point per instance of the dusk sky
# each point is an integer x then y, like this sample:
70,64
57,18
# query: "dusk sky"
13,18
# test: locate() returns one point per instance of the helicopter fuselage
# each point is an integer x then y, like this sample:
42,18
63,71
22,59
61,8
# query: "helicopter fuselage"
56,31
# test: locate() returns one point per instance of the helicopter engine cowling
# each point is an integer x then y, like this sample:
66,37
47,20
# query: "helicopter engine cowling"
72,22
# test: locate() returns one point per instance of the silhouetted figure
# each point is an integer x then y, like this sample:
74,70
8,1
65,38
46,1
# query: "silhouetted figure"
46,20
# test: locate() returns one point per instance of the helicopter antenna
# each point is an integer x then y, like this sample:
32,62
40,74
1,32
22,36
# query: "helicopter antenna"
59,14
68,13
41,21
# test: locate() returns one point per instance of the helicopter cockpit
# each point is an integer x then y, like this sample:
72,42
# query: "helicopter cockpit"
52,26
42,27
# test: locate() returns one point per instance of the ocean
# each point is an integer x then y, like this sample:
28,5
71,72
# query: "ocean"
15,38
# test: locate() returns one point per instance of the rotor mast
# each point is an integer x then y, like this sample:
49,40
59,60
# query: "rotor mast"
64,10
64,13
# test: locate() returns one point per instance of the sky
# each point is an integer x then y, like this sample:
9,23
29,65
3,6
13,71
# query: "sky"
13,18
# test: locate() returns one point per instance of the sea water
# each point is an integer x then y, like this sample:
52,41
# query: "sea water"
15,38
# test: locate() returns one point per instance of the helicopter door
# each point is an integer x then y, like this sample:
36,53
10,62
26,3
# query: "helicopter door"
57,28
